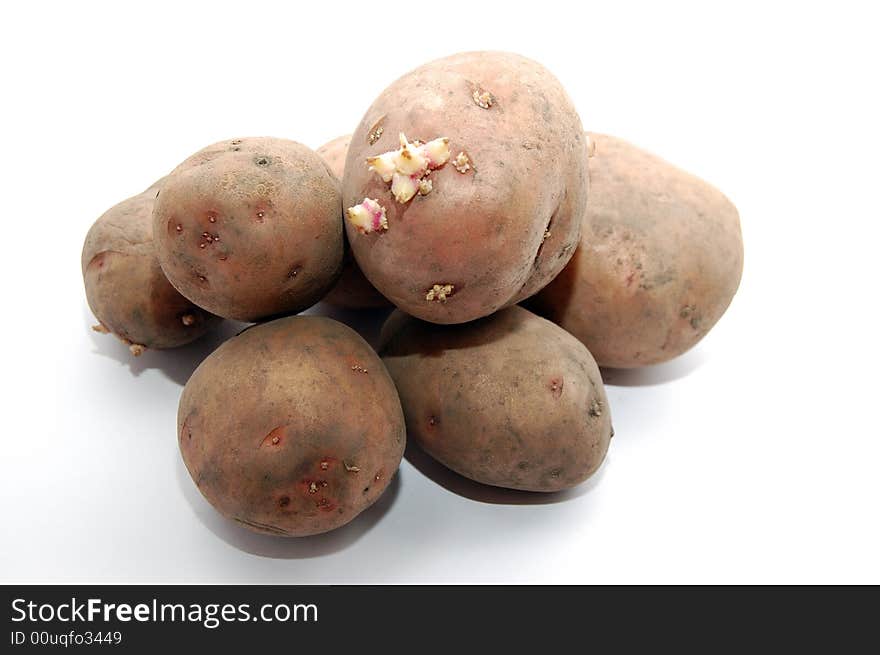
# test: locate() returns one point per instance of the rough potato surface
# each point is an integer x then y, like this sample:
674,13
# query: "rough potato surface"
510,400
660,259
249,228
293,427
125,287
494,223
352,290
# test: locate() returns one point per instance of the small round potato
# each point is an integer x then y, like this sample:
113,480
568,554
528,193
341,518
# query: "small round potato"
125,287
334,153
249,228
464,186
660,259
510,400
353,290
293,427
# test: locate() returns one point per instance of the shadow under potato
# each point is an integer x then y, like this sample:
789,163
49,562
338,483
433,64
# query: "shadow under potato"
177,364
264,545
484,493
444,337
647,376
366,322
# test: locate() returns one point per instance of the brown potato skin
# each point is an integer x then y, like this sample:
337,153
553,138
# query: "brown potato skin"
352,290
481,231
275,208
510,400
319,389
125,287
660,259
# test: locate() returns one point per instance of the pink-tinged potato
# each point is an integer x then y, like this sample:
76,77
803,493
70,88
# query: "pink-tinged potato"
509,400
464,186
125,287
291,428
352,290
249,228
660,259
334,153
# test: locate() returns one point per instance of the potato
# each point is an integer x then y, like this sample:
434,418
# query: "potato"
249,228
464,186
291,428
660,259
334,152
125,287
353,290
510,400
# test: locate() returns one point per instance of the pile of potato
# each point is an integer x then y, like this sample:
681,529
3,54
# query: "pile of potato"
468,187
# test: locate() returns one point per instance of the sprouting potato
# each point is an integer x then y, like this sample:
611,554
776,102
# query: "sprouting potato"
466,175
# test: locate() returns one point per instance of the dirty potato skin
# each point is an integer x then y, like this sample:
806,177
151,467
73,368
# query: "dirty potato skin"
125,287
291,428
249,228
510,400
660,260
352,290
481,229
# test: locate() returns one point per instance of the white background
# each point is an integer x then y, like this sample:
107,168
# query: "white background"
754,458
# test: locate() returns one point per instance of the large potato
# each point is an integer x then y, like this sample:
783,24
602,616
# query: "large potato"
660,259
125,287
249,228
509,400
352,290
480,207
293,427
